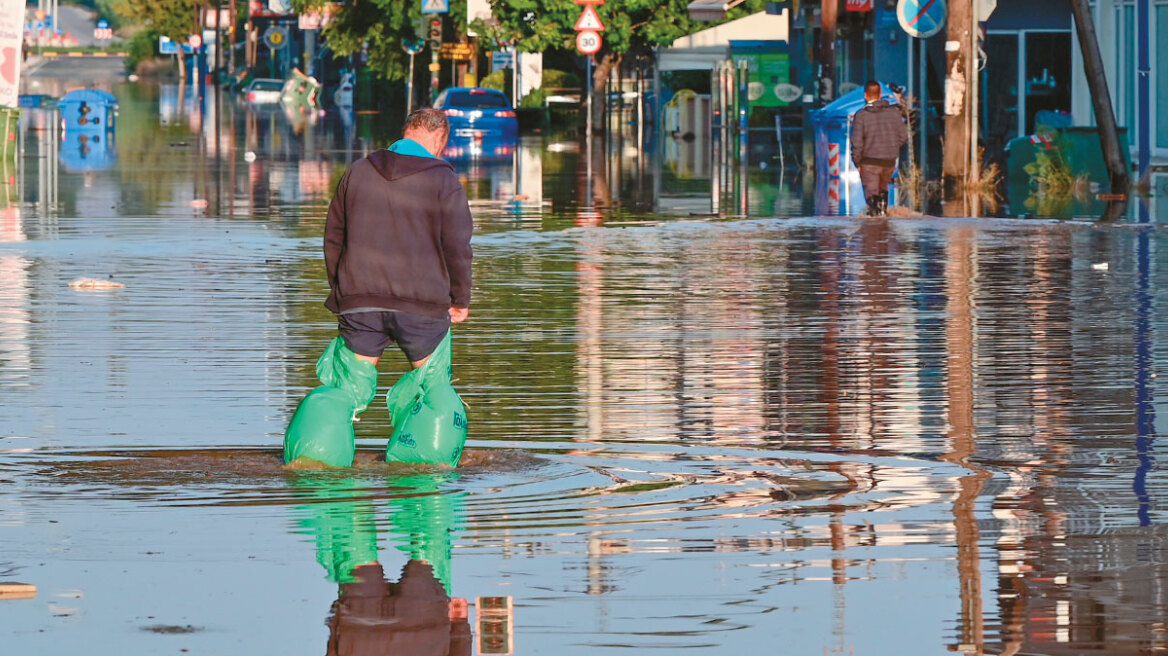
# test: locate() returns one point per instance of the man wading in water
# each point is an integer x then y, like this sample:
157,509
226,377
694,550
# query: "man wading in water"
397,246
878,134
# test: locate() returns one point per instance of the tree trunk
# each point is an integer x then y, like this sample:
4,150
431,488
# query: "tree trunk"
600,73
1100,97
182,64
957,66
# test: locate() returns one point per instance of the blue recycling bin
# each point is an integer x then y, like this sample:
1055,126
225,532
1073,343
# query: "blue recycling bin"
837,182
88,110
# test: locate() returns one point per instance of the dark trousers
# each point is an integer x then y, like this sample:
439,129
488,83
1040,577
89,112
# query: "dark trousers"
876,175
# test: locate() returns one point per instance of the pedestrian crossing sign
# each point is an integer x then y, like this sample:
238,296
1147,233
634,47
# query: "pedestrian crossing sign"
435,6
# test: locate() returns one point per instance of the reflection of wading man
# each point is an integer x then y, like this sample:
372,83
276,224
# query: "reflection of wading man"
878,134
397,246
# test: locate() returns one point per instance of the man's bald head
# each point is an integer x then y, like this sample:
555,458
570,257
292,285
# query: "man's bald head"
428,127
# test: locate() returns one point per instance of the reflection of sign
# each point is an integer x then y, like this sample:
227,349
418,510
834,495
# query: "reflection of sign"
589,20
921,18
496,625
435,6
859,5
588,42
456,51
11,28
276,37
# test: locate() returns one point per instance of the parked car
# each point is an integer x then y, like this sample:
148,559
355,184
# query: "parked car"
476,112
263,91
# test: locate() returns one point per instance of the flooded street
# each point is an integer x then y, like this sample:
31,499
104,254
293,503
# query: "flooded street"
693,429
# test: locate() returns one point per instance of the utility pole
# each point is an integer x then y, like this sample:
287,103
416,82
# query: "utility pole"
1100,97
958,70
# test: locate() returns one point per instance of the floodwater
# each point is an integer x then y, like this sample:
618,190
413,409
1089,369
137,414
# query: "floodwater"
689,434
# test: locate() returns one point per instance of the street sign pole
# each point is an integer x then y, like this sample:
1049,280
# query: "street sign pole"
410,87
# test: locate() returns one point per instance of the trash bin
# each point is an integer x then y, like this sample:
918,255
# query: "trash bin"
90,110
837,181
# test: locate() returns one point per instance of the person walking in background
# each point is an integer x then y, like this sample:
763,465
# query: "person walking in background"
878,134
397,246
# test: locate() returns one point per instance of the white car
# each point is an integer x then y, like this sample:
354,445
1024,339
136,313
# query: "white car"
263,91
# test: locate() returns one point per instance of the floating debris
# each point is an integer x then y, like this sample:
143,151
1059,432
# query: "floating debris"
93,284
17,591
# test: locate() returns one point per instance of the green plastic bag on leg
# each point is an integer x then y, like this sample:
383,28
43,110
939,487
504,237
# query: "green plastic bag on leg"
322,428
429,418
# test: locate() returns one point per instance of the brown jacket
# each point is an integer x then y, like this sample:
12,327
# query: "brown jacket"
397,237
878,133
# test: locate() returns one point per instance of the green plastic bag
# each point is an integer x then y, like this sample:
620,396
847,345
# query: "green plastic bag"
322,428
429,418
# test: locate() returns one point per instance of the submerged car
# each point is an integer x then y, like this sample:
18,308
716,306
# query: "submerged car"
263,91
476,113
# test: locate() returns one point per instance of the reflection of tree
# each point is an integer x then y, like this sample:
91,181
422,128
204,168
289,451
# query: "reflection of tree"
151,165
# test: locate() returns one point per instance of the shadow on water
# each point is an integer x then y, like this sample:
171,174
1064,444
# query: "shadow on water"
696,422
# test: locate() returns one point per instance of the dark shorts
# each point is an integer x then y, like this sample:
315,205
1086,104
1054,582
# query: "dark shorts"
370,333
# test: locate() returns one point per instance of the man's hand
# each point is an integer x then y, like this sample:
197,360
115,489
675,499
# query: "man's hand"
458,315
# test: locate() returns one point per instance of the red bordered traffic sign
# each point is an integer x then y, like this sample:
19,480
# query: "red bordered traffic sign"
589,20
588,42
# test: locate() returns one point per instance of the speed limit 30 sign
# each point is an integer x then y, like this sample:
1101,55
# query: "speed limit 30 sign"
588,42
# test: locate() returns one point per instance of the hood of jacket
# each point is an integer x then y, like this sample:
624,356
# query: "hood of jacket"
882,105
394,166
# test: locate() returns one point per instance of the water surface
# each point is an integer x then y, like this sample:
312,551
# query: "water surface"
689,434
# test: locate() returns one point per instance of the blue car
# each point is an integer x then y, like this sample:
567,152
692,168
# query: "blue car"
478,113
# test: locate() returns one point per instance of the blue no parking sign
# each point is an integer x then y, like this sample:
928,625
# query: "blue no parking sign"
921,18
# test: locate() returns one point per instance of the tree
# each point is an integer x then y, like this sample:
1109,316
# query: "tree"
632,27
176,19
379,28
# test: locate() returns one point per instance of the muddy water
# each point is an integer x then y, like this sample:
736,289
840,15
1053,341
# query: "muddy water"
795,435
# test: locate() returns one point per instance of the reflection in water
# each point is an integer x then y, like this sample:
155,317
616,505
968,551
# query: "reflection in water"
372,615
695,434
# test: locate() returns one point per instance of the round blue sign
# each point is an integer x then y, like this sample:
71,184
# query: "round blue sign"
921,18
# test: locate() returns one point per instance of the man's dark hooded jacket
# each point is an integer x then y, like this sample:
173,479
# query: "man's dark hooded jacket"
878,134
397,237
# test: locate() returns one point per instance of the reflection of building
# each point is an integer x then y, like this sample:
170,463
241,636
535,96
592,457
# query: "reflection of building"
15,319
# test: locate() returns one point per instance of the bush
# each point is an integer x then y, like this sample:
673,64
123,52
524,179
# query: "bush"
141,47
553,79
497,81
536,98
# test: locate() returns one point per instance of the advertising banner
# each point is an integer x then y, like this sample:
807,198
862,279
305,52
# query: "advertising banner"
11,38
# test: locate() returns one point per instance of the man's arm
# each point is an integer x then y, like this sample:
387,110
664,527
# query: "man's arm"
457,226
334,231
858,138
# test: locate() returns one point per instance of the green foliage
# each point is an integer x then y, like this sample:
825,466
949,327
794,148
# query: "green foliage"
499,80
176,19
536,98
141,47
380,27
542,25
553,79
